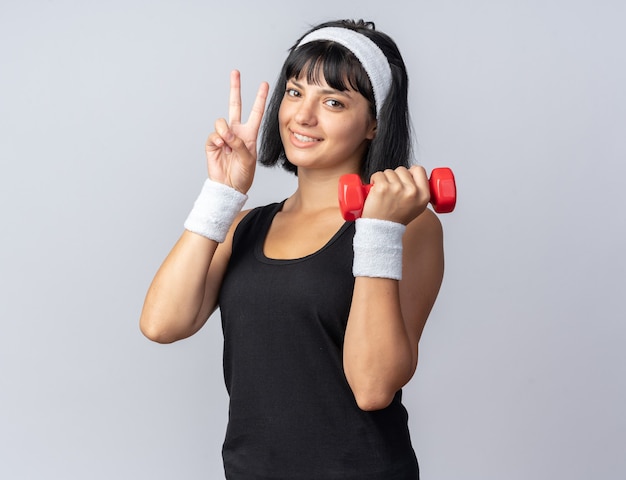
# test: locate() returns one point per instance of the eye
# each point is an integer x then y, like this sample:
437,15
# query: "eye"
334,103
292,92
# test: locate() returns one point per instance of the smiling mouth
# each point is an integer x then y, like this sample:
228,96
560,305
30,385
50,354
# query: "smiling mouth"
304,138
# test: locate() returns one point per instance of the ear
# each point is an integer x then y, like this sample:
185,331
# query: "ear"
371,133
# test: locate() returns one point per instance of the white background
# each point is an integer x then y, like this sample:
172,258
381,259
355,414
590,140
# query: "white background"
104,109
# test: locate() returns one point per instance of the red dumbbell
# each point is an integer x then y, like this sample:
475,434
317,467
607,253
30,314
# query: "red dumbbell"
352,193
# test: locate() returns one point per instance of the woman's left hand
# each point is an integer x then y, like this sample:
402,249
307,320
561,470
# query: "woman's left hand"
399,195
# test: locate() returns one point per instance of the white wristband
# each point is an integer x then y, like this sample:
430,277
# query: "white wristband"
377,248
215,210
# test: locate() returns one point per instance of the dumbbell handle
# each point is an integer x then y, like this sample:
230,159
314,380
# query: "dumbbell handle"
352,193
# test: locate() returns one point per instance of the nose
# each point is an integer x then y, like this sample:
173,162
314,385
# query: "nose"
306,113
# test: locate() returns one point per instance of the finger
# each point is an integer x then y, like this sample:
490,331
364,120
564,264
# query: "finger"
225,134
379,178
392,179
405,177
231,141
214,141
234,101
258,109
420,177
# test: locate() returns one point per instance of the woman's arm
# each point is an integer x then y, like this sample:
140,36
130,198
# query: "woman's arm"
184,291
387,317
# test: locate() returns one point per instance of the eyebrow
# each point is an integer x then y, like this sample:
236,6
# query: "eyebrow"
325,91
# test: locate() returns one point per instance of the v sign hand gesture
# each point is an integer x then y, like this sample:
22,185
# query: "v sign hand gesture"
231,148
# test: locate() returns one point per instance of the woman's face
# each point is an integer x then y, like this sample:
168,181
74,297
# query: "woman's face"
321,127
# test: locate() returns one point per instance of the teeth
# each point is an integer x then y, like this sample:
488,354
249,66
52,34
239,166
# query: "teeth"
304,138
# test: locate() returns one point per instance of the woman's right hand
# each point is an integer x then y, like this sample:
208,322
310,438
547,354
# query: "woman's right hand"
231,148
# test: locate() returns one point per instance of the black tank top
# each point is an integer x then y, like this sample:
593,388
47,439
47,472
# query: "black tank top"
292,414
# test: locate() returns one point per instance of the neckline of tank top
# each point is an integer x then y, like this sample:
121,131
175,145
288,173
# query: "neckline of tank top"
260,253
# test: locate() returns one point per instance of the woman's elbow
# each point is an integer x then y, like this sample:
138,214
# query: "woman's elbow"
376,394
155,330
373,400
154,334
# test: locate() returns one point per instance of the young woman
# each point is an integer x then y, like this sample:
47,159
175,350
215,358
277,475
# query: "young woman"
321,317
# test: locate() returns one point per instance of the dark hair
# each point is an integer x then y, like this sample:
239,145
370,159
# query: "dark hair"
391,147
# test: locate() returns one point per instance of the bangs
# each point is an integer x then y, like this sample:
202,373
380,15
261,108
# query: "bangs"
328,61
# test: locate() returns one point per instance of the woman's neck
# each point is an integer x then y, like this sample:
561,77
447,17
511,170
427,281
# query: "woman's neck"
317,190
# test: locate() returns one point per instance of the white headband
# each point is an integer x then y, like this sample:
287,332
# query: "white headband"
370,55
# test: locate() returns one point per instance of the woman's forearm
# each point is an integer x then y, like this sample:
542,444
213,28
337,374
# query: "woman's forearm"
379,357
178,300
